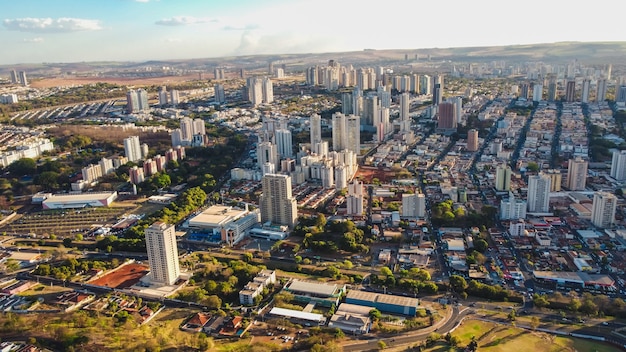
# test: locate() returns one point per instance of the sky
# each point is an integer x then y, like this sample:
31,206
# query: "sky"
61,31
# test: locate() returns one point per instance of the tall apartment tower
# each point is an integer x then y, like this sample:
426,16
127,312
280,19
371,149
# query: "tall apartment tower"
603,209
15,79
136,101
552,90
405,104
268,90
503,178
618,165
577,174
413,205
354,200
132,148
162,253
254,86
539,193
315,125
220,95
267,153
163,98
584,96
601,90
570,91
447,120
23,79
472,140
537,92
346,131
556,178
277,204
284,143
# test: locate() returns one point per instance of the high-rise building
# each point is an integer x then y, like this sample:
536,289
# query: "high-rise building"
268,90
219,73
267,153
316,129
354,200
577,174
220,95
137,101
601,90
346,133
539,193
552,89
537,92
618,165
284,143
132,148
136,175
570,91
346,104
603,209
15,79
370,110
163,98
162,253
472,140
584,96
23,79
413,205
503,178
254,86
277,204
446,120
174,97
405,103
512,208
620,94
556,178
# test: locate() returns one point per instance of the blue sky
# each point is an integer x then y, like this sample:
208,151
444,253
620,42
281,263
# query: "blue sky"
34,31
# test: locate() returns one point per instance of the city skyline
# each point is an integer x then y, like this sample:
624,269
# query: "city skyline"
135,30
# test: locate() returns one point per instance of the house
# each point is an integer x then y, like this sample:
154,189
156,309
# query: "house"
231,325
197,322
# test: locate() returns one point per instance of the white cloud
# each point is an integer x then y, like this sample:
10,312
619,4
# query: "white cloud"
246,27
183,21
33,40
51,25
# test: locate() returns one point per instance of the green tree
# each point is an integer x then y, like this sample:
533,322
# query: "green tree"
381,345
385,271
247,257
458,283
24,166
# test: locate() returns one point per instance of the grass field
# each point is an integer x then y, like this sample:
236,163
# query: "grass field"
499,338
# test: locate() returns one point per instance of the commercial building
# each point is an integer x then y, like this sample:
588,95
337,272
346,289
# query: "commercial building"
298,316
385,303
80,200
229,223
324,294
162,253
351,318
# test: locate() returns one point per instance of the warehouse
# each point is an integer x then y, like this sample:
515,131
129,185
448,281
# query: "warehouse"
351,318
79,200
384,303
310,291
298,317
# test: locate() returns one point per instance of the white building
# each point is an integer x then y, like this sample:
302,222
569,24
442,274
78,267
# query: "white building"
413,205
254,288
162,253
512,208
354,200
132,148
603,210
618,165
539,193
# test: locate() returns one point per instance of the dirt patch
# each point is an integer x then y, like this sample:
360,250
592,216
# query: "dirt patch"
123,277
367,174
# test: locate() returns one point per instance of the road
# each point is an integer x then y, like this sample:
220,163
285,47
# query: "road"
448,324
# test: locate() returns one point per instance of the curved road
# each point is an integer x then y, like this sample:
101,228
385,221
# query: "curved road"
449,323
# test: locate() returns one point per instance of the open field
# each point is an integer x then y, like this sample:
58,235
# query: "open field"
139,81
500,338
367,174
122,277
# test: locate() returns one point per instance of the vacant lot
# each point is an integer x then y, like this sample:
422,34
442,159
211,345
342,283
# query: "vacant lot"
493,337
367,174
143,81
122,277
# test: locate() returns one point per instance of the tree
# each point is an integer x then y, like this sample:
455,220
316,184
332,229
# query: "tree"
481,245
67,242
48,180
375,314
24,166
458,283
247,257
540,301
385,271
347,264
574,304
382,345
534,322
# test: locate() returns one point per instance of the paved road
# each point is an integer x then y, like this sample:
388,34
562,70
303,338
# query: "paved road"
448,324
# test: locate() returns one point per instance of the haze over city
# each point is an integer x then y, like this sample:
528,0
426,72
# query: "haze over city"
37,31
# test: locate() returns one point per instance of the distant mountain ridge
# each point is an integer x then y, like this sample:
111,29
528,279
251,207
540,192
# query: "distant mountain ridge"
587,52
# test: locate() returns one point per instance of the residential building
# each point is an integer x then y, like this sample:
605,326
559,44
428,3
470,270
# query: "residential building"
512,208
603,209
277,204
503,178
413,205
162,253
577,174
346,133
618,165
539,193
472,140
354,200
132,148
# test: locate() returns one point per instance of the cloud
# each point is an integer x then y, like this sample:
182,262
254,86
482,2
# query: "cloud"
183,21
247,27
33,40
51,25
144,1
